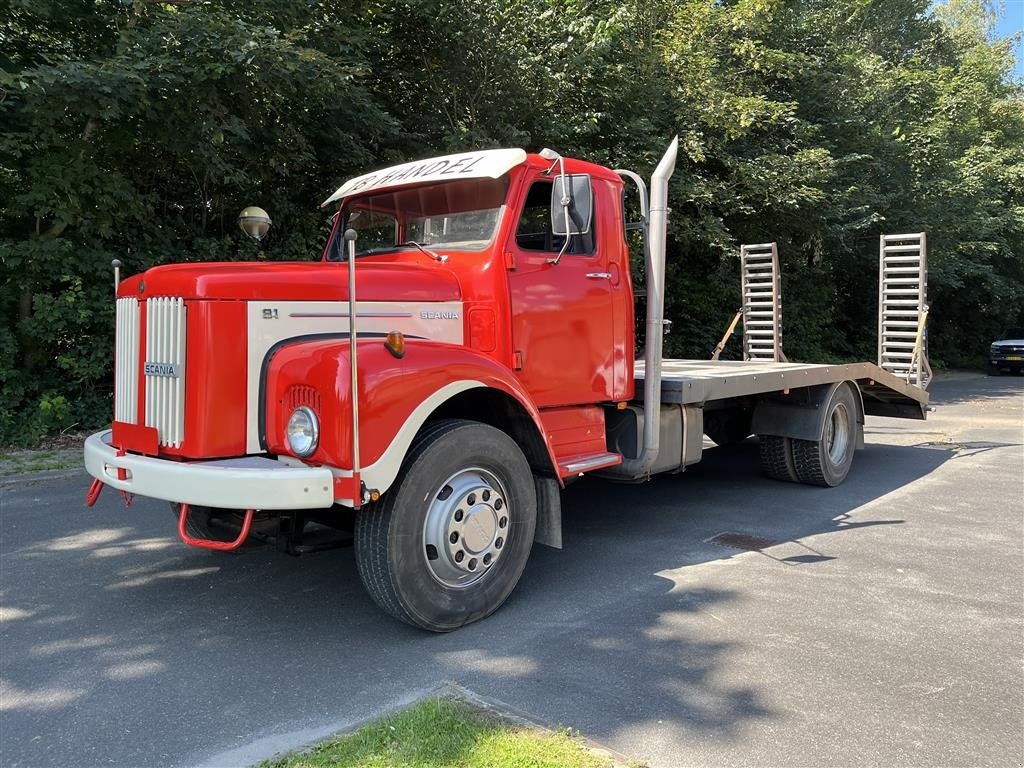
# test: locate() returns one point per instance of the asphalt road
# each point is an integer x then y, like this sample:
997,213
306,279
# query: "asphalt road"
884,629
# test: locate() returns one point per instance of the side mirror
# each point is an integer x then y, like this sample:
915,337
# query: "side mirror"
572,194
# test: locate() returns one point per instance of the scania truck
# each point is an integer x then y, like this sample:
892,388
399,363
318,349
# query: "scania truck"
464,347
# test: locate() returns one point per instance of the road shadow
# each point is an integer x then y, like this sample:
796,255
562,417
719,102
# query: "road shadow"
111,626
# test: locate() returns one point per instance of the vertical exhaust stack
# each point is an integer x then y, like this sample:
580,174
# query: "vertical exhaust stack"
658,231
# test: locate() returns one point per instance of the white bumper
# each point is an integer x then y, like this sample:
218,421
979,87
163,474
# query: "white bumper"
251,482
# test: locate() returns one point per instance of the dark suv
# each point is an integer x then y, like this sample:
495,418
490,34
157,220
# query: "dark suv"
1007,353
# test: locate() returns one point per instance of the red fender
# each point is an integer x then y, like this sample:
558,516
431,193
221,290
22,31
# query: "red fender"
396,395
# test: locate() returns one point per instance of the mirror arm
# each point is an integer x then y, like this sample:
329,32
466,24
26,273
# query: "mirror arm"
566,201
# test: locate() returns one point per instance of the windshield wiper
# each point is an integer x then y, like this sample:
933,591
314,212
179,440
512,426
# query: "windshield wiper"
440,257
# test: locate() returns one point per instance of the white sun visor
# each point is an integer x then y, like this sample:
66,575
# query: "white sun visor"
485,164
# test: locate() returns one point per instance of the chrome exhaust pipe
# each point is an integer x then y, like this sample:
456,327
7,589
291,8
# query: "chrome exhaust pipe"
658,230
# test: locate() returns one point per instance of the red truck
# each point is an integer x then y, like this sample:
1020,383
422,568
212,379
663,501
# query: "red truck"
464,348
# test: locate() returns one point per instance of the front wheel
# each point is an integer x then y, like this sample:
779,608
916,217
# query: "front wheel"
447,544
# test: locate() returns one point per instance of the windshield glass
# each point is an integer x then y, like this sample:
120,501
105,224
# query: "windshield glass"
451,214
1013,333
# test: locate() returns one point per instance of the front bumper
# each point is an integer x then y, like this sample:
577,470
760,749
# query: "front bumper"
250,482
1002,363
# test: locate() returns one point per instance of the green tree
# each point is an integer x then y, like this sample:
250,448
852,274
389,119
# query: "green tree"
136,129
142,144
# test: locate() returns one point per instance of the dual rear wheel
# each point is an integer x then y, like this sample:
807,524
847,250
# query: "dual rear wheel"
826,461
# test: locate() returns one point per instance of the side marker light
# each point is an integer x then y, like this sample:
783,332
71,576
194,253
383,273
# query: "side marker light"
395,343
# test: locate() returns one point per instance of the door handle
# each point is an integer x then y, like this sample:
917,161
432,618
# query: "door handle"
599,275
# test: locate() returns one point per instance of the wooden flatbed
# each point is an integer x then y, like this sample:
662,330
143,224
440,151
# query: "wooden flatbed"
699,382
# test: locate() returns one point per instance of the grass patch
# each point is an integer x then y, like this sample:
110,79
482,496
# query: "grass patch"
20,462
441,733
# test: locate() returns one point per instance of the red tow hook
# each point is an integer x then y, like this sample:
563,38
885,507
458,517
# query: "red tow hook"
222,546
96,488
93,494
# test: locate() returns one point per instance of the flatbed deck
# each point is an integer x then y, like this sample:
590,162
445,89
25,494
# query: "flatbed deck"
690,382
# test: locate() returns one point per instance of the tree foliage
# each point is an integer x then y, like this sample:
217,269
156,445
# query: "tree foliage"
137,129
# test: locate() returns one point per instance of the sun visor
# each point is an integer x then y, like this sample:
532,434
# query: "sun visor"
486,164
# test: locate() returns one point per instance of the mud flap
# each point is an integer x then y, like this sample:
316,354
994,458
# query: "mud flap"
549,512
801,414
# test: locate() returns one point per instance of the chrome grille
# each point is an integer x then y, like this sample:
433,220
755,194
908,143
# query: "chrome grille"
165,369
126,361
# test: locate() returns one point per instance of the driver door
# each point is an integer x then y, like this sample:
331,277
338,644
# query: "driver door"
562,314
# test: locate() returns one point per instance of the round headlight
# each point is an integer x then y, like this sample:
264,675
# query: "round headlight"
303,431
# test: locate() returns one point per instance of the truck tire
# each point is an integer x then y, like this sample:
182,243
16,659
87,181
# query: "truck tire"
448,542
777,458
826,462
727,427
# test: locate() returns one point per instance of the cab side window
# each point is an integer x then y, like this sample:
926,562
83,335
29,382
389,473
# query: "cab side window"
533,232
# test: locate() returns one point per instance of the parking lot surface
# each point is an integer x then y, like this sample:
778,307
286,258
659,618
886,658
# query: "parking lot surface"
884,628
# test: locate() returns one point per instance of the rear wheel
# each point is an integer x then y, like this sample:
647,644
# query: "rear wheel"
777,458
826,462
448,542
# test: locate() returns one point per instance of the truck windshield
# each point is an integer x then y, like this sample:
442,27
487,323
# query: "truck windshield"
462,215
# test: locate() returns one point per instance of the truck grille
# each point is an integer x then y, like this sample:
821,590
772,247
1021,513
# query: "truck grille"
165,381
165,369
126,361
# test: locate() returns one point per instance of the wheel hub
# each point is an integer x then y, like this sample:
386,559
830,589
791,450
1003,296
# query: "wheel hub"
466,527
478,528
837,433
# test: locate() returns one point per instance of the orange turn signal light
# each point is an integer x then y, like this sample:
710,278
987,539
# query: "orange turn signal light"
395,343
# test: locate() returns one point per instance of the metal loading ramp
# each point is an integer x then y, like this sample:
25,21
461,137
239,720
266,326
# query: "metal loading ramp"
762,302
903,307
690,382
